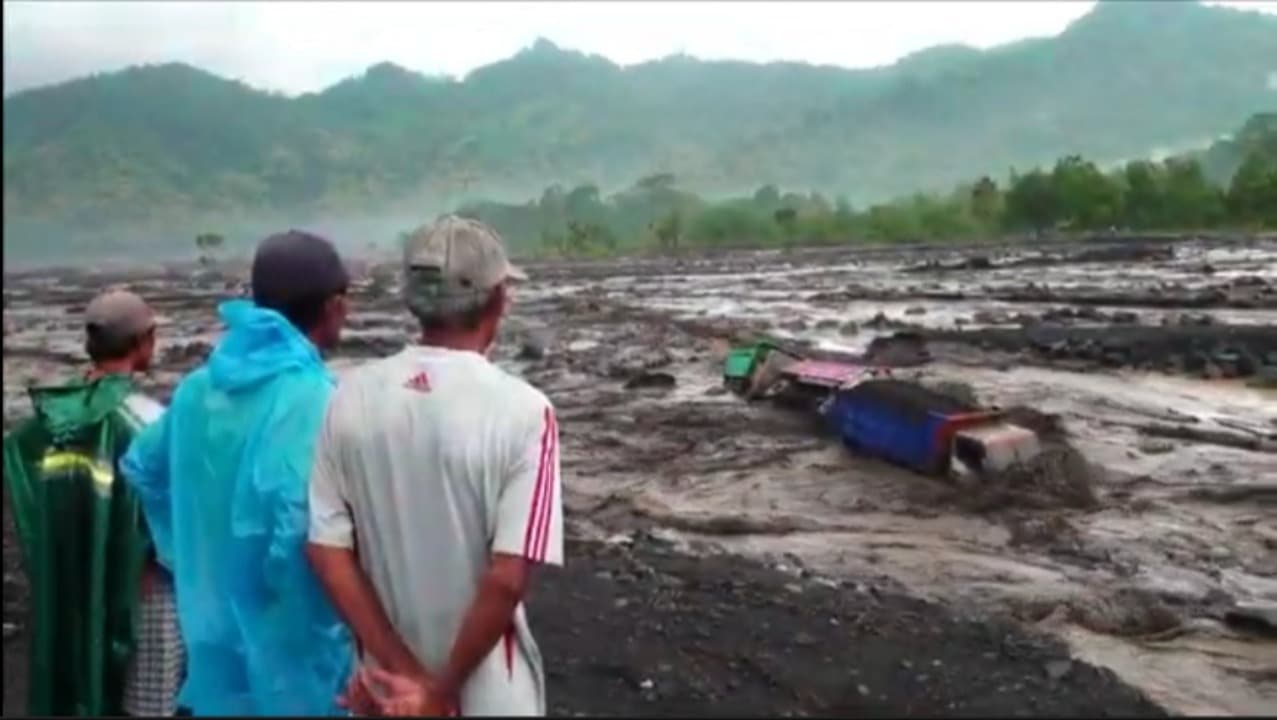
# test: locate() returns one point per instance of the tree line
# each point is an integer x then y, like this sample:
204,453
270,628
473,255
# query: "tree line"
1074,194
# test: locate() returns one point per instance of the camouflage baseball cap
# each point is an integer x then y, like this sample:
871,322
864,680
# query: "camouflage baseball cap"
118,313
453,265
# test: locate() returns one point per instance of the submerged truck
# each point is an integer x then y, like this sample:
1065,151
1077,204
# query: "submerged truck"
876,414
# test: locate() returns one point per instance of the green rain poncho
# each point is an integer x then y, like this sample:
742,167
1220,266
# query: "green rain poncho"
83,543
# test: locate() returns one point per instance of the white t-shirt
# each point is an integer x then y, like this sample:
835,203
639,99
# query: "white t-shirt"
436,459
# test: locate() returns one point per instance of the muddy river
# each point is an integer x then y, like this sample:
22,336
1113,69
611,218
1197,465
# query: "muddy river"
1153,362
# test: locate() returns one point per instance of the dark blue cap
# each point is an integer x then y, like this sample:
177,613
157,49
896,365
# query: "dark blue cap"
296,266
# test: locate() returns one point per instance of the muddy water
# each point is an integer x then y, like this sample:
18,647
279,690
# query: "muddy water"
1163,533
1140,583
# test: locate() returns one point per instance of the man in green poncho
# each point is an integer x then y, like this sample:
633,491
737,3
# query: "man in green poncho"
105,639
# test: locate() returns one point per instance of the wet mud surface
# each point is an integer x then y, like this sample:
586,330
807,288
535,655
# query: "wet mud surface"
800,646
1144,542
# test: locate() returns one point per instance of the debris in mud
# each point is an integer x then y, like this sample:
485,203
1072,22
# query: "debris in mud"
900,349
1211,437
1156,447
1258,618
186,354
1058,477
532,347
1046,425
651,380
961,391
1031,531
1125,612
1232,349
1131,251
1259,494
635,360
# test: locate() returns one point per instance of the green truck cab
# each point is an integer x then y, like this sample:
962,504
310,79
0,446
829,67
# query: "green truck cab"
741,367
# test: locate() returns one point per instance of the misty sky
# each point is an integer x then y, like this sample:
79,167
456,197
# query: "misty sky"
303,46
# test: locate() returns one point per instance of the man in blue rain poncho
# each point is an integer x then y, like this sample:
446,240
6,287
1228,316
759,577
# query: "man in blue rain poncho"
222,479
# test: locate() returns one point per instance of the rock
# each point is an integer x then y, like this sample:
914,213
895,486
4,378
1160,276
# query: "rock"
1259,617
532,348
916,310
1199,319
657,380
795,325
638,359
990,317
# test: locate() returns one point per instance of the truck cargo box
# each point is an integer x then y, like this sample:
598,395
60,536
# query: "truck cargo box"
900,422
821,373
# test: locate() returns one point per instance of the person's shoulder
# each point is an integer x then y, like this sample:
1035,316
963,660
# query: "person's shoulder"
518,393
371,374
188,392
141,409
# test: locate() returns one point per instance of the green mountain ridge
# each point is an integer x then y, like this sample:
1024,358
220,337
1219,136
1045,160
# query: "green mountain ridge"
133,158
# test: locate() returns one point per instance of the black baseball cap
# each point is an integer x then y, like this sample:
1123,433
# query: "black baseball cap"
296,266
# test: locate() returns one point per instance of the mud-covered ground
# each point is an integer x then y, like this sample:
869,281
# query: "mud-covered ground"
792,577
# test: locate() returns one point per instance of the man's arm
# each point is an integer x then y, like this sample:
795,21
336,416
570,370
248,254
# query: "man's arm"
489,617
528,532
350,590
331,551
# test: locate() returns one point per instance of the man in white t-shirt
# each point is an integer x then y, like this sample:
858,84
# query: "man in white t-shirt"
446,469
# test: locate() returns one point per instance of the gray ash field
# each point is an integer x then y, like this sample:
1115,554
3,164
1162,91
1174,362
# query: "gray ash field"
727,557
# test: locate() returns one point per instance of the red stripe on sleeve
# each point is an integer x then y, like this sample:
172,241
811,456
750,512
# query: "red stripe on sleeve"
534,514
547,508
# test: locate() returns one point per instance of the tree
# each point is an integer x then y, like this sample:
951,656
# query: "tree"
767,197
582,202
1031,202
1144,204
986,201
208,244
1086,197
584,238
1252,195
1191,201
209,241
785,217
667,232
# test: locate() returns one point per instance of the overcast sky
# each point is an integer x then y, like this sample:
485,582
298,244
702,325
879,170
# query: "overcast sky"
303,46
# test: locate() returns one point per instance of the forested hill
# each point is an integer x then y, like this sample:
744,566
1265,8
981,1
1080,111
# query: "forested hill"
129,159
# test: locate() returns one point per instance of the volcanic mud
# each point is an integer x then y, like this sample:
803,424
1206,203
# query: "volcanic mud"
731,556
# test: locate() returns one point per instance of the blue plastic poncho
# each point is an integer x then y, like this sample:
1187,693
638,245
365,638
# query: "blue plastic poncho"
222,479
